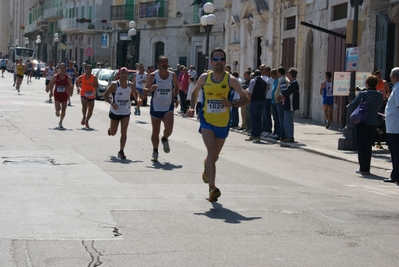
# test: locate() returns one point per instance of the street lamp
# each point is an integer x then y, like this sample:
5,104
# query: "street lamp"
26,42
208,21
38,42
132,32
56,40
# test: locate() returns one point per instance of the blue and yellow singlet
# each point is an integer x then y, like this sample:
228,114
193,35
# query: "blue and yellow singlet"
214,112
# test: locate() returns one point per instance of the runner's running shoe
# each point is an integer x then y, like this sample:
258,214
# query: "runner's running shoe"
214,194
57,113
154,156
60,125
121,155
166,147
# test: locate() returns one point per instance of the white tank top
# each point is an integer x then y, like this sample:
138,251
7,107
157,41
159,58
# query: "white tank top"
50,73
329,89
122,97
141,80
162,98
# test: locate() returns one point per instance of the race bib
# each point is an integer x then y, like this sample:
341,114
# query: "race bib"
123,103
61,89
215,106
163,93
89,93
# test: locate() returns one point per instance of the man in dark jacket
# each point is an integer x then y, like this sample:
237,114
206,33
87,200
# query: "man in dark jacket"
256,92
290,104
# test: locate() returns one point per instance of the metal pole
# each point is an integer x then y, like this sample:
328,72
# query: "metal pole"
348,141
56,53
131,52
208,31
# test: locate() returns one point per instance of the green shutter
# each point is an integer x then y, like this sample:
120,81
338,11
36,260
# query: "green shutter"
90,12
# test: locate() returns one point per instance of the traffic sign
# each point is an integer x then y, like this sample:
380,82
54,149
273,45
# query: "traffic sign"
89,52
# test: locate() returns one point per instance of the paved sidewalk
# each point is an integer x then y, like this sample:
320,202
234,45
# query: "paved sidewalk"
315,138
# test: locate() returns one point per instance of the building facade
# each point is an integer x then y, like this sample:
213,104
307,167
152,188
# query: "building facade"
170,28
253,32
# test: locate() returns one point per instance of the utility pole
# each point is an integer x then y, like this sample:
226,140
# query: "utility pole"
348,141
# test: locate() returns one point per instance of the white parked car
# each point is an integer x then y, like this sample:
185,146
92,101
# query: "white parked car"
103,76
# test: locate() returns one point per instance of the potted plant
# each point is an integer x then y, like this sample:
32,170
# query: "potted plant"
90,26
22,27
104,21
87,20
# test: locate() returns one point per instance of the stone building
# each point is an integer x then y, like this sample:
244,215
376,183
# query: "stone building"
171,28
270,32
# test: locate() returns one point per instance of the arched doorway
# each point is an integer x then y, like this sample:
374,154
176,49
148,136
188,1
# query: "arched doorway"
159,51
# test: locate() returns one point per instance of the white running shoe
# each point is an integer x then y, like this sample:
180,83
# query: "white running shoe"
60,125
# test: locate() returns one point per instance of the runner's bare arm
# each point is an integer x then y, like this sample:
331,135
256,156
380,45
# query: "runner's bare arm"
149,87
70,91
197,88
51,84
323,84
135,94
110,89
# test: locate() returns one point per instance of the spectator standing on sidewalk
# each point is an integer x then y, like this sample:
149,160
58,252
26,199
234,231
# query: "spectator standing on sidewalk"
246,121
183,90
267,124
282,85
392,125
326,91
234,118
192,72
256,93
290,104
274,78
365,131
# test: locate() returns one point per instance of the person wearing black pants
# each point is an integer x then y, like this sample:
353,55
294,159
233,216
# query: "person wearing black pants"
392,126
366,129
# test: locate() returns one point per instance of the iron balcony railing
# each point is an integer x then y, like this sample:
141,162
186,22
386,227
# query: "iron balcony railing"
155,9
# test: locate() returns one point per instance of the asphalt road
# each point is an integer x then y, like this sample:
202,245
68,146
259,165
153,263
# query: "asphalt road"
66,200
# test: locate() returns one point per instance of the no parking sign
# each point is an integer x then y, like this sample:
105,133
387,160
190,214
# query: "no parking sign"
89,52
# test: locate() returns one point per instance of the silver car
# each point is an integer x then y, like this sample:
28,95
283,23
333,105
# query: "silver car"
103,76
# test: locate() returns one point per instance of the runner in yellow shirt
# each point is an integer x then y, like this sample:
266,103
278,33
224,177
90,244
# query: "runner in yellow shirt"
215,113
20,69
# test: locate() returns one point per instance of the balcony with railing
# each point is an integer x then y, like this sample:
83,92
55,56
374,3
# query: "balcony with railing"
122,13
393,2
52,14
69,25
153,10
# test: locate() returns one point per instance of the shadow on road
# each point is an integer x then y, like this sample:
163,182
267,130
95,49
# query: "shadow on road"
164,166
229,216
122,161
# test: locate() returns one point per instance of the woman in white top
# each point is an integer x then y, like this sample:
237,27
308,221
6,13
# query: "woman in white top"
121,92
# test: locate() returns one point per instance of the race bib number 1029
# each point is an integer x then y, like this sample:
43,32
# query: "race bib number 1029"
215,106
